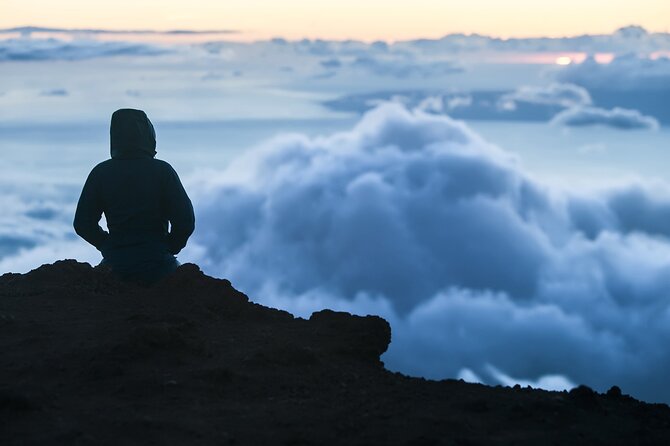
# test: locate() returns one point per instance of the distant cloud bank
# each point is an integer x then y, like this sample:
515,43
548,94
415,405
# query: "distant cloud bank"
637,78
627,72
404,68
26,49
630,39
559,103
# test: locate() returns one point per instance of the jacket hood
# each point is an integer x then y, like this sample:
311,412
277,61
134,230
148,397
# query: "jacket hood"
131,135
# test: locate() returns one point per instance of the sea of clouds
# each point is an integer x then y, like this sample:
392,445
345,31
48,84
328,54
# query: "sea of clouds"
484,272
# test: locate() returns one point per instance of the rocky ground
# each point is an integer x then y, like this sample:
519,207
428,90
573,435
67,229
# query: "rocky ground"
86,359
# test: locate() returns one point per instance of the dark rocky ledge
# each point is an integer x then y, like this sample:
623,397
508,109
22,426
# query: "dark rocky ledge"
86,359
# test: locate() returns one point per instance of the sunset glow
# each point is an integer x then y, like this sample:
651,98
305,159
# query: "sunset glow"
343,19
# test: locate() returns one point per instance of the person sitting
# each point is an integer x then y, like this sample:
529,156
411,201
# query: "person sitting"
149,215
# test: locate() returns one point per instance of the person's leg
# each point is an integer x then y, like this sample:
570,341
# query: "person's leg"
157,271
143,273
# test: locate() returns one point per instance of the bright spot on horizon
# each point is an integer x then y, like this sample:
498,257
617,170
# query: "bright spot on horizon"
563,60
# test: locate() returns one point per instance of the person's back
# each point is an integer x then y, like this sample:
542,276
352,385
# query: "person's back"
148,213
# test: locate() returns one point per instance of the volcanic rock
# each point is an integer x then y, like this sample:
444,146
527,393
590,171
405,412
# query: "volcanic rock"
88,359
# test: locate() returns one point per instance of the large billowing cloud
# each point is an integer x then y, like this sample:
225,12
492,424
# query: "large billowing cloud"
482,271
619,118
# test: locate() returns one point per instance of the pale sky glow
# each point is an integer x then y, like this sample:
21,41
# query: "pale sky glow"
342,19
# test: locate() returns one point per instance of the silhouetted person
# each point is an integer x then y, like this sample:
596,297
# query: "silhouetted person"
139,196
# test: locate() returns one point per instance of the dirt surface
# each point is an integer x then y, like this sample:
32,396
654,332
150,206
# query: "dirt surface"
86,359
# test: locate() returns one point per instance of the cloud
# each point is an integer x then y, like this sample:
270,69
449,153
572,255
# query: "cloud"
562,95
427,52
331,63
31,256
628,72
317,47
397,65
54,92
28,49
458,101
624,40
331,48
548,382
629,39
630,81
618,118
36,217
477,266
564,104
522,104
403,68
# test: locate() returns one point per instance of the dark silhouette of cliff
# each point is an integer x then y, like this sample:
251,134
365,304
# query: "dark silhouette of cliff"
86,359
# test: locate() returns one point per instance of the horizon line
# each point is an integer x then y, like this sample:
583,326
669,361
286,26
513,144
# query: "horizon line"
29,29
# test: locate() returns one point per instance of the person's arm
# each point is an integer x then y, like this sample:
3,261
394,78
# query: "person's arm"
179,213
88,214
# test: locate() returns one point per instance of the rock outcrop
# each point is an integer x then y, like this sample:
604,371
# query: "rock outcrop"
87,359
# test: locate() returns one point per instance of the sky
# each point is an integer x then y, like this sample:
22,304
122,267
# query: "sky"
346,19
505,205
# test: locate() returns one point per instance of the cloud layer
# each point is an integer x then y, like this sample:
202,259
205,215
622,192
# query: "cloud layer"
403,67
480,269
526,103
28,49
628,39
628,72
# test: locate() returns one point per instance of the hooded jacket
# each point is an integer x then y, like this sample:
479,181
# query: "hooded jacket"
149,215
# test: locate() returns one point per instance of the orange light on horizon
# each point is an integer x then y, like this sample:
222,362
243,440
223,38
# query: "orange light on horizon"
343,19
604,58
659,54
563,60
